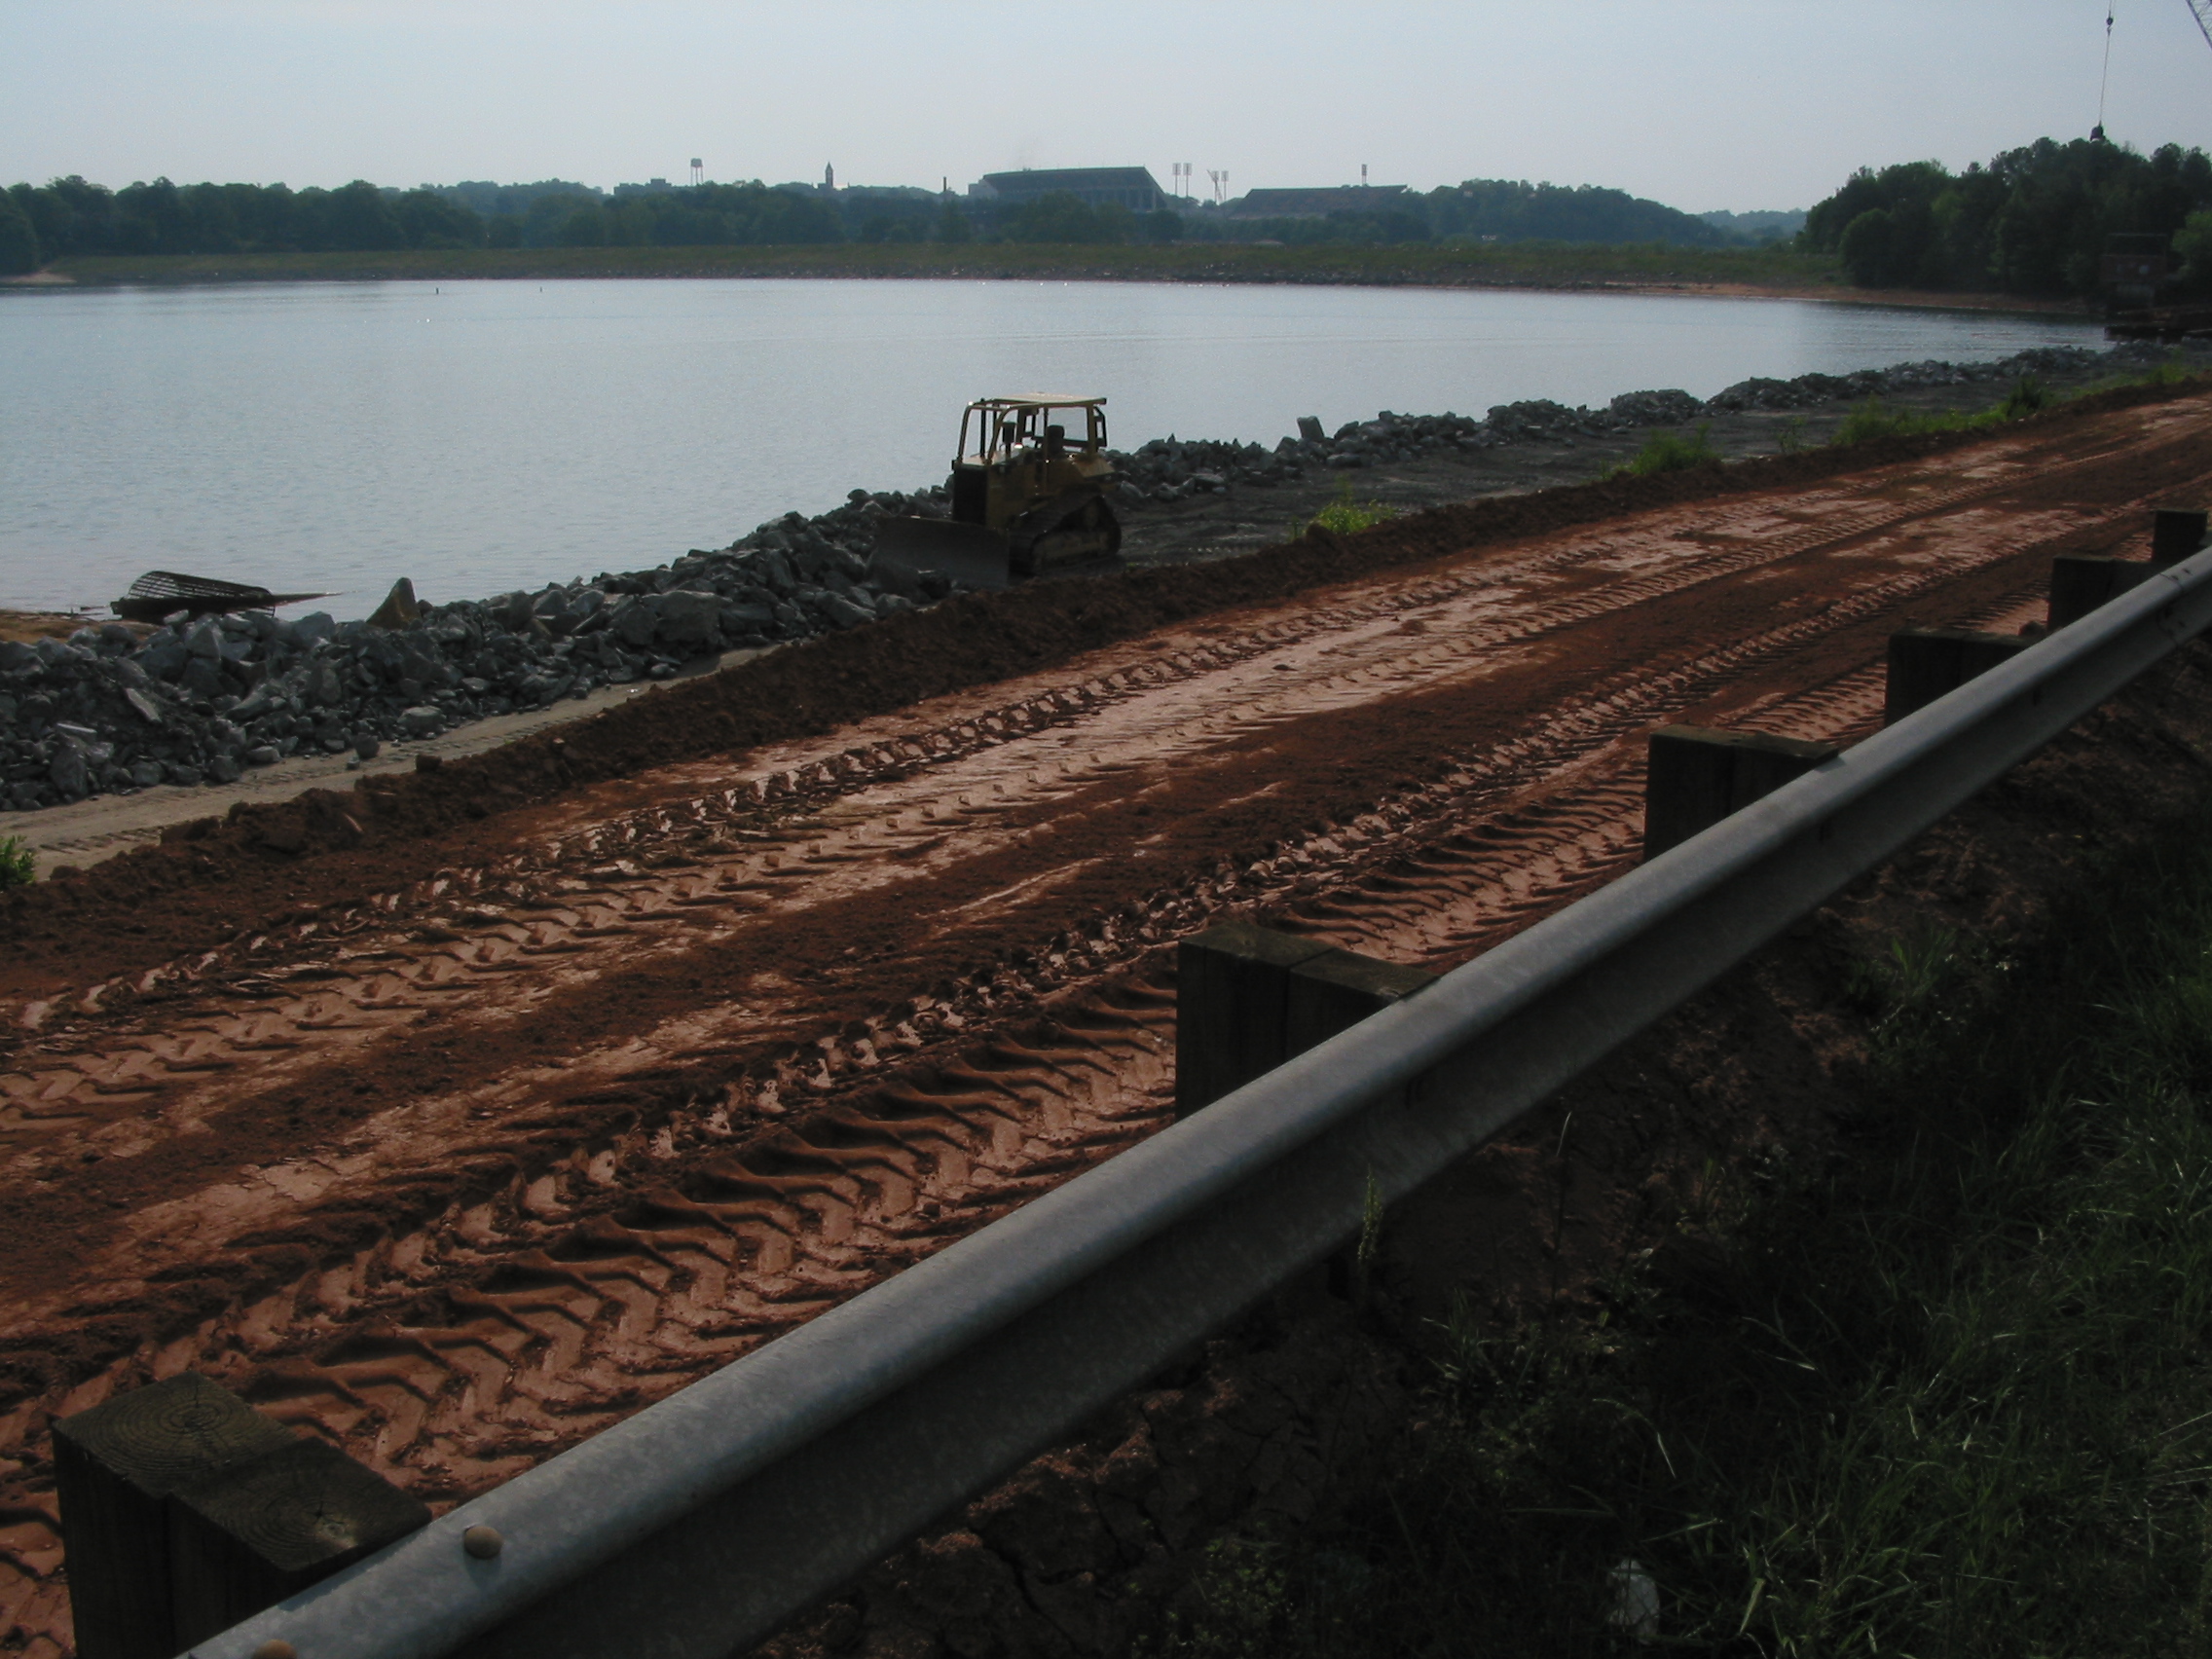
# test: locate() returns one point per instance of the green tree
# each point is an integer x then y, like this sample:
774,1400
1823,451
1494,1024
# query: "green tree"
630,224
430,218
545,215
1058,216
19,240
584,227
1162,226
2193,242
1869,248
952,225
2033,221
356,218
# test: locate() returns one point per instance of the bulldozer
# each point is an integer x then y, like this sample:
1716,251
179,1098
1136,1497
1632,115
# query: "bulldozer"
1029,499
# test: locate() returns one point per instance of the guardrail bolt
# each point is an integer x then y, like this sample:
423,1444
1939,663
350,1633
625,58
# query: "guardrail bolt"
1247,998
1926,663
483,1542
2175,533
2080,582
187,1510
1695,776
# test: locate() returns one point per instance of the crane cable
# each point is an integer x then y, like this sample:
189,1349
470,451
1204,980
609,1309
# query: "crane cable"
2097,133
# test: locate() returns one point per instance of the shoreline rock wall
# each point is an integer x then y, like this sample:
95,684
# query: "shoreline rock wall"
199,702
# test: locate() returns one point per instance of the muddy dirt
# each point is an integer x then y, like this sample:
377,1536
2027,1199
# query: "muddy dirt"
455,1116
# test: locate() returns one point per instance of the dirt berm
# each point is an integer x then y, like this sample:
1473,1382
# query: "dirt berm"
210,878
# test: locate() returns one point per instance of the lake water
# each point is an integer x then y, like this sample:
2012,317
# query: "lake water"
491,435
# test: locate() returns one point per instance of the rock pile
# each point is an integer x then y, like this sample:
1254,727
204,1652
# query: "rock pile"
201,701
1172,469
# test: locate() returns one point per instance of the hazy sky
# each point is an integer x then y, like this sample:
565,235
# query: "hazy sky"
1699,104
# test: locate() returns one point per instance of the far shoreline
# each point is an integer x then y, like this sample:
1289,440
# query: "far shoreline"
1776,274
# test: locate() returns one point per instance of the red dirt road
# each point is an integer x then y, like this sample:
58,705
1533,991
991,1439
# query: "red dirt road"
517,1109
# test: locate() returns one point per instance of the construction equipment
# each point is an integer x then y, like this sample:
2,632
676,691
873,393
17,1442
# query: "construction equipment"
1027,499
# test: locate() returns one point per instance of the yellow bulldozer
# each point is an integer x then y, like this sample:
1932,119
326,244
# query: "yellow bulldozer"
1029,499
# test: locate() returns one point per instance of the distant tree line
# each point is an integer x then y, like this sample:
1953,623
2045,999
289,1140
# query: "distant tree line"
1496,209
70,216
2034,221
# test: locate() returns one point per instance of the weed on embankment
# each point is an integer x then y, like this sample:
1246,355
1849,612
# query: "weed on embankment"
1950,1398
1344,515
1671,452
1873,419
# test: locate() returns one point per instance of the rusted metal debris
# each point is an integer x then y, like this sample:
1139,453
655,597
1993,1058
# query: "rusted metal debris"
159,594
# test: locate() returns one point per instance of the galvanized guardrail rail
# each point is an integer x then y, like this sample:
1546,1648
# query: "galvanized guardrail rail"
697,1526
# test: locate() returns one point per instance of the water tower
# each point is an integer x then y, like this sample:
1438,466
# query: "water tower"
698,170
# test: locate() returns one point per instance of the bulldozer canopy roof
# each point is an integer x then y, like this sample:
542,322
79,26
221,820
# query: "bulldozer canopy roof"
1037,400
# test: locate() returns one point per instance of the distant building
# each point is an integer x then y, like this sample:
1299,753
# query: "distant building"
1134,188
1315,203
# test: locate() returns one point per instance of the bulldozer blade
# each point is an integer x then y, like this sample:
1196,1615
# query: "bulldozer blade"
965,553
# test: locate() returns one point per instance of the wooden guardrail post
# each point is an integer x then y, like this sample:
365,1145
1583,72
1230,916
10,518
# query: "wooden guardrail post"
2080,582
180,1503
1696,776
1926,663
117,1466
1247,998
261,1531
2176,533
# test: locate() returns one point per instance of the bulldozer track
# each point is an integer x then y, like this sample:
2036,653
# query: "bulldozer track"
493,1271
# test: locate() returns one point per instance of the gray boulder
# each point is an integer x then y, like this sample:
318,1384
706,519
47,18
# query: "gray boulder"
633,621
690,619
67,772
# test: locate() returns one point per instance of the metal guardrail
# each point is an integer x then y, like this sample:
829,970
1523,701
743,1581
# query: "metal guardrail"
697,1526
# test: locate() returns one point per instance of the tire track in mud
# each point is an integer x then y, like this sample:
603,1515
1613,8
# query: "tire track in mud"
577,1278
384,982
1750,537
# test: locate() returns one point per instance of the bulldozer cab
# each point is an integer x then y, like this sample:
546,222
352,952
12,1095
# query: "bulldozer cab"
1019,451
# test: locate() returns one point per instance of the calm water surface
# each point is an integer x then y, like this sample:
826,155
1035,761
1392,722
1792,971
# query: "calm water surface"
489,435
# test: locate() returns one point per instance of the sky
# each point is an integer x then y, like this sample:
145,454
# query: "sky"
1702,105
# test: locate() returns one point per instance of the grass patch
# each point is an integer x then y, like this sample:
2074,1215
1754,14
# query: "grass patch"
18,866
1952,1399
1344,515
1671,452
2030,395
